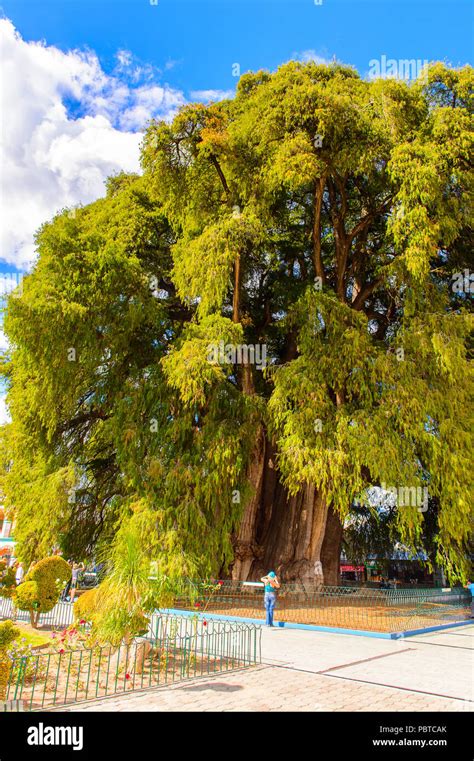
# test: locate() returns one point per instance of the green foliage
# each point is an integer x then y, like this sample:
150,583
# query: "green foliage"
8,632
85,606
50,571
42,586
7,579
316,213
27,596
120,604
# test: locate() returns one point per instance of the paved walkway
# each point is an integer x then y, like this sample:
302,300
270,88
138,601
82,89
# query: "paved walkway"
315,671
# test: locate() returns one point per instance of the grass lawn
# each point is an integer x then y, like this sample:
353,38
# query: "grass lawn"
33,636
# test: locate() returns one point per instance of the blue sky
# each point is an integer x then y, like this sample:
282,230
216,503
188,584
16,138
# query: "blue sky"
81,78
201,39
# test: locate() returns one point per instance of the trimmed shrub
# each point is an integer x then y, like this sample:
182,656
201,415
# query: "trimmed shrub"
27,597
86,606
8,632
50,571
42,587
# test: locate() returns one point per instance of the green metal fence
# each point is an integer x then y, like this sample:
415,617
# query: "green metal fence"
190,649
379,610
348,607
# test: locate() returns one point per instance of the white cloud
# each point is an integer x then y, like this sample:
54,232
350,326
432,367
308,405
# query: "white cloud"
4,414
150,101
69,126
311,55
135,70
10,281
214,95
124,57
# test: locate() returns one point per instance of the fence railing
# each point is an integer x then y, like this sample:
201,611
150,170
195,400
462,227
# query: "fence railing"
190,650
60,616
161,625
362,608
392,584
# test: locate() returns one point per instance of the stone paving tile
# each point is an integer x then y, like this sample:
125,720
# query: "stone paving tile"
269,688
316,671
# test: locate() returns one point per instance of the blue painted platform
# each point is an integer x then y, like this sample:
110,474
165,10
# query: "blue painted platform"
314,628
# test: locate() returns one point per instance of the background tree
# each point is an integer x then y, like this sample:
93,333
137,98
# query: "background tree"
316,213
372,530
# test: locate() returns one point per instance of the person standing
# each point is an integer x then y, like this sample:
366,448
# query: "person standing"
65,592
470,587
19,573
271,585
76,570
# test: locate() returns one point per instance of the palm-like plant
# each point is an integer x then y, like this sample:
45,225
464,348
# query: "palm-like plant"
123,598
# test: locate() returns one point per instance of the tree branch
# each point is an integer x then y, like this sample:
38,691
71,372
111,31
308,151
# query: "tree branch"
318,201
368,288
365,221
221,175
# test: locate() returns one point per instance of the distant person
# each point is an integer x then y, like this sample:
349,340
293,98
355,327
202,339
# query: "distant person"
271,585
470,587
65,592
383,583
76,570
19,573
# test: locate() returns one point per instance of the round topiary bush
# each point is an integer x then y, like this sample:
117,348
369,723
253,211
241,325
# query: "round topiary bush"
50,571
8,633
42,587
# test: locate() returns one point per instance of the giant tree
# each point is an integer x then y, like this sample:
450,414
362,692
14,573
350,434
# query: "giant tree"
317,215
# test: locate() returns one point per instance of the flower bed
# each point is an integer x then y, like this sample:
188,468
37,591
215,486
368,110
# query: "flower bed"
74,669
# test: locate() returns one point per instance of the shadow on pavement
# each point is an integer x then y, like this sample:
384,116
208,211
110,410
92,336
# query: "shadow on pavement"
216,686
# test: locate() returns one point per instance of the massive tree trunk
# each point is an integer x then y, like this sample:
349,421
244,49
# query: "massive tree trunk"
246,548
331,549
297,536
